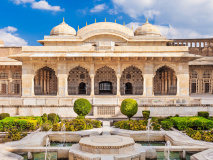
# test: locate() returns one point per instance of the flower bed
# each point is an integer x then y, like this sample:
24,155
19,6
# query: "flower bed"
23,123
77,125
200,135
182,123
135,125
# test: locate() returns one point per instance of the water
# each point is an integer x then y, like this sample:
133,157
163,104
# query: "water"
41,156
149,127
152,143
173,156
167,150
59,144
160,155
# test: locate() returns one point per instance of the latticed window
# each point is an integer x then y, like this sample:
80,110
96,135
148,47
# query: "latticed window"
128,76
79,81
3,75
207,74
17,75
194,74
131,81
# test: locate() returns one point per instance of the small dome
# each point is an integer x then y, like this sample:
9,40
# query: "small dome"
63,29
1,43
147,29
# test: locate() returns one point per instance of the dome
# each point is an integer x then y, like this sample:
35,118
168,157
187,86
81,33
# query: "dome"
63,29
105,28
1,43
147,29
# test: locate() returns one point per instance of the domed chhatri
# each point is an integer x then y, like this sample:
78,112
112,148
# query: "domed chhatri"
63,29
147,29
1,43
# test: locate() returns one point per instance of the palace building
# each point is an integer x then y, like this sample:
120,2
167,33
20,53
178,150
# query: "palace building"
105,63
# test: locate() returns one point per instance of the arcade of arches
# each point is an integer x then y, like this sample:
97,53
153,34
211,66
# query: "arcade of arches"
106,82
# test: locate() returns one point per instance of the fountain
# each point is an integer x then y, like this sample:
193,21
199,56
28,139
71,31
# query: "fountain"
63,129
47,154
167,150
149,128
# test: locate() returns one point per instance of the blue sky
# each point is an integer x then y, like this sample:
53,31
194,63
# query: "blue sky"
26,21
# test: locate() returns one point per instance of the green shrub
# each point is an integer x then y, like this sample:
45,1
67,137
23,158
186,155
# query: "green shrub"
53,118
131,125
177,115
14,134
56,127
82,107
146,114
160,119
203,114
46,126
156,126
129,107
4,115
44,118
24,123
166,124
182,123
79,124
200,135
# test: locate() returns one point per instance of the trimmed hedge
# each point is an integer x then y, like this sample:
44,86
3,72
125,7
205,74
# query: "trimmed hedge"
129,107
78,125
203,114
53,118
4,115
146,114
166,124
182,123
82,107
24,123
135,125
200,135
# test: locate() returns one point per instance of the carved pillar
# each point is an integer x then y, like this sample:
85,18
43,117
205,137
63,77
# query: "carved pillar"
92,77
45,82
162,82
118,84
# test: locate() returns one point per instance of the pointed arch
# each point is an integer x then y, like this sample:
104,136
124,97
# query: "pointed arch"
134,76
165,81
105,77
77,77
45,82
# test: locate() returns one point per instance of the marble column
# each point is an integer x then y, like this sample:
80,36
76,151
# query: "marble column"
92,76
118,84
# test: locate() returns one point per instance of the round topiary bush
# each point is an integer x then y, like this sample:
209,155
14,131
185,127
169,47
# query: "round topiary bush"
129,107
82,107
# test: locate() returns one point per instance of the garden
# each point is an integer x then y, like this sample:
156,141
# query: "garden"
17,128
198,127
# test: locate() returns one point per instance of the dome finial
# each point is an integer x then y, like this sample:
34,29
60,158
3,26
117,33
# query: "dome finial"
63,19
95,20
115,20
105,19
147,20
124,23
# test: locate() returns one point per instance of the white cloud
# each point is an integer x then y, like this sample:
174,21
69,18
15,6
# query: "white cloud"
172,32
10,38
98,8
196,15
43,5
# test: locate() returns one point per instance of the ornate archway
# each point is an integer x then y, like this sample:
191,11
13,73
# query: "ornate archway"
79,81
165,81
132,75
105,74
45,82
